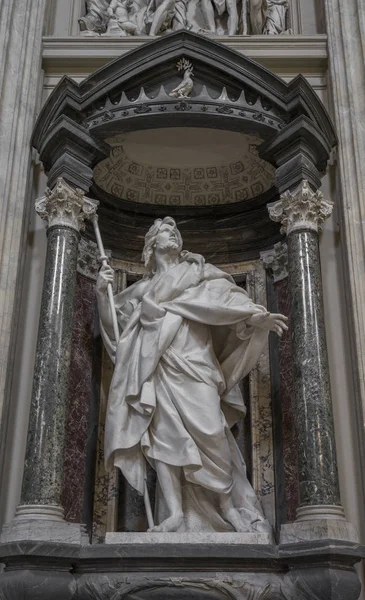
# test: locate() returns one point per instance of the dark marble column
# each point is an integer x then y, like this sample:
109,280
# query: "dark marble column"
301,213
65,210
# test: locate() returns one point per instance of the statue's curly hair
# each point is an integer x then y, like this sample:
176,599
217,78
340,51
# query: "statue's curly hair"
148,254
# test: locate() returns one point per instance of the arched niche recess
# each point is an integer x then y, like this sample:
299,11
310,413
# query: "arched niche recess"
213,161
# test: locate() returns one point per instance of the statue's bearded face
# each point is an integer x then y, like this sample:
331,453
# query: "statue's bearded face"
163,236
167,238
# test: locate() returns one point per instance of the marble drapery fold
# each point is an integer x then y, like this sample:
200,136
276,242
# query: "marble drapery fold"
185,346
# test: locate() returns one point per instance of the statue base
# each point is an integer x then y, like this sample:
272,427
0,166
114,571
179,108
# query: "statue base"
178,539
136,570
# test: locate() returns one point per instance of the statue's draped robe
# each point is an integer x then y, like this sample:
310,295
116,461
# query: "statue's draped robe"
185,346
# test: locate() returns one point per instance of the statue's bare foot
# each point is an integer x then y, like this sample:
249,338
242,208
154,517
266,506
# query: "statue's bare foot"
234,518
171,524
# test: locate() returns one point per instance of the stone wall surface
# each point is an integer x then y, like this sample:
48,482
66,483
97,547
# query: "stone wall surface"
346,31
21,26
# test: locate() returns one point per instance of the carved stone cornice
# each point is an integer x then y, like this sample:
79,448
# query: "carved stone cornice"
276,260
64,206
301,209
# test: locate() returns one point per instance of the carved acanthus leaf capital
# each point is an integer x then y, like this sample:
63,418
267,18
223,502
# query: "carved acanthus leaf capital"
301,209
277,261
64,206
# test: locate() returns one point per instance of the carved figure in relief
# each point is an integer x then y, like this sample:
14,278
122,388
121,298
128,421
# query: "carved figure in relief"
166,15
184,89
257,10
96,18
214,12
189,335
120,11
276,17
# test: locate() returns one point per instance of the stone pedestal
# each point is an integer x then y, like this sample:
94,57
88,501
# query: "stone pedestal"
301,213
190,571
65,210
184,539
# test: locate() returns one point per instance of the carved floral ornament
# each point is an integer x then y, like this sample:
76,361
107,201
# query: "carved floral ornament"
301,209
65,206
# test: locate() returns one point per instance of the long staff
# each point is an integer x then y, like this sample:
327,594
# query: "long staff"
104,262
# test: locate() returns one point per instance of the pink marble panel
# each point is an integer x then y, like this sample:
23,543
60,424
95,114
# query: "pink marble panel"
79,398
290,455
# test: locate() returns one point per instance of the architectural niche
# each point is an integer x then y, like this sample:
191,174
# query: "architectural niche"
312,557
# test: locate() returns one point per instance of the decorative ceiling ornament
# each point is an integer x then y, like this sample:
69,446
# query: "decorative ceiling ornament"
201,184
184,89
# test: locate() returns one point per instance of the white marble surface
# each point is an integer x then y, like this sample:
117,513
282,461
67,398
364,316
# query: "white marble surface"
319,529
182,383
43,531
189,538
158,17
302,208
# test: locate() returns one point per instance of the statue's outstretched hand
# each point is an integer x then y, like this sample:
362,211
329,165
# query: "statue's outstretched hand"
106,275
270,321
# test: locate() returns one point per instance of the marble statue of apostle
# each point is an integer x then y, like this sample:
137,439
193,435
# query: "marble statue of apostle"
188,336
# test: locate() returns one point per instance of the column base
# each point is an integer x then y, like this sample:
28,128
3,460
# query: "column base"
320,512
42,524
48,512
318,529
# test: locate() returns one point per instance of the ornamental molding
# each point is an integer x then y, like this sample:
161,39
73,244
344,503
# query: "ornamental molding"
227,588
301,209
247,106
276,260
64,206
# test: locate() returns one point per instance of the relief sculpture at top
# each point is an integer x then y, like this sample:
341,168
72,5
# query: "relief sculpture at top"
188,336
211,17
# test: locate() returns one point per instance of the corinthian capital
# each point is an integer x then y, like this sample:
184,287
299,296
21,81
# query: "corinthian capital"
301,209
65,206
